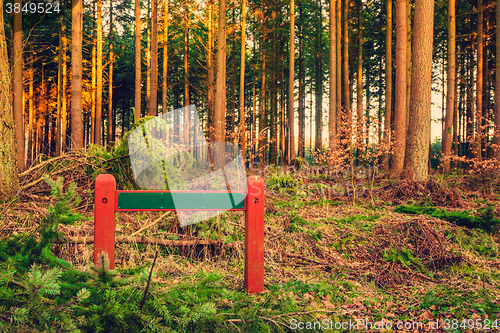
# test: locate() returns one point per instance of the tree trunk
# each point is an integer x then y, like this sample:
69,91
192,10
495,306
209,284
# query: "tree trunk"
153,62
479,80
408,61
98,110
211,71
94,77
346,95
76,75
359,88
496,137
451,87
340,124
186,74
274,94
243,130
111,124
291,86
18,86
261,134
220,84
137,94
388,85
302,87
165,57
9,182
319,82
400,90
31,149
418,139
332,116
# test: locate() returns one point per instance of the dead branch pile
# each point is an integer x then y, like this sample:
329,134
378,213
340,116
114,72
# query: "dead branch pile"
421,191
79,167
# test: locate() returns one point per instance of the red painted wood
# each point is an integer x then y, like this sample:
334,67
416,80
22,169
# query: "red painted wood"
104,218
254,235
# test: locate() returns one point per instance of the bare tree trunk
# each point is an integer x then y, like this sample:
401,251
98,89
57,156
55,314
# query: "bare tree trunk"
98,110
302,112
111,124
418,139
31,149
318,146
291,86
479,80
359,88
76,75
346,95
388,84
137,94
496,137
9,181
94,74
220,84
408,61
153,61
211,70
243,130
340,111
186,74
451,86
261,134
18,86
165,57
400,100
332,116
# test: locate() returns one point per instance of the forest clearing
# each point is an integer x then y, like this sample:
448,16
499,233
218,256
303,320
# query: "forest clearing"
373,124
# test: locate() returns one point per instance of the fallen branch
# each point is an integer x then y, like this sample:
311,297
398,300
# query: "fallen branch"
151,224
156,241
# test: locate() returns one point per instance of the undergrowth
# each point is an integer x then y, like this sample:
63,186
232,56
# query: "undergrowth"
484,219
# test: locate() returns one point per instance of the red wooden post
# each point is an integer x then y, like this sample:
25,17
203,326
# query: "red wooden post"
254,235
104,218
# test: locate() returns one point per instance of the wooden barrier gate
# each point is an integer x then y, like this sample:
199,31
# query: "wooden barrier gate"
108,201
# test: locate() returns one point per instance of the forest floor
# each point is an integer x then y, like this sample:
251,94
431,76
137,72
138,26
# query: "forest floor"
396,255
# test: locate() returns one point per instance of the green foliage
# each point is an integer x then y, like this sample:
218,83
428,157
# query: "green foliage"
403,256
484,219
282,183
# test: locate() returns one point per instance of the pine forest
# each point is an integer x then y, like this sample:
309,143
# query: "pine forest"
372,126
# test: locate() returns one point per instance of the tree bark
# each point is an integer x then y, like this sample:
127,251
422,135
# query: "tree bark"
165,57
137,94
291,86
400,98
76,75
301,97
418,138
94,76
18,86
332,116
388,85
496,137
451,87
220,84
98,110
153,94
111,124
186,73
318,146
346,91
9,181
243,130
479,80
359,88
211,71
